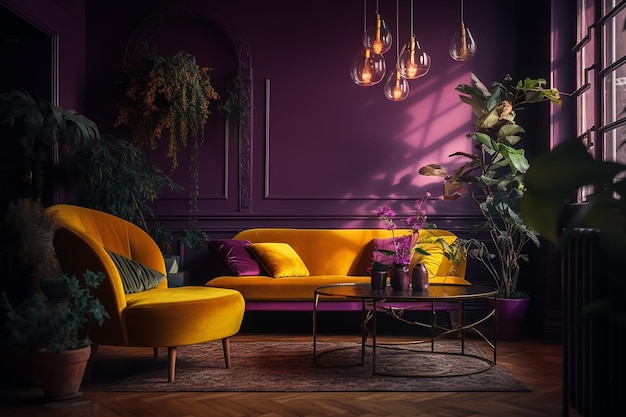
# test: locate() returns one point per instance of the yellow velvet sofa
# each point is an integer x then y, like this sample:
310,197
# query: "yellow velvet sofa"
329,256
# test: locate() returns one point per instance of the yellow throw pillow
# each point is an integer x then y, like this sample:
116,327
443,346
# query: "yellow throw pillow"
435,249
279,259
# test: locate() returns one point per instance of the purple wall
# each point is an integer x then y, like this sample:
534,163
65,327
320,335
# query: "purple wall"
332,152
324,152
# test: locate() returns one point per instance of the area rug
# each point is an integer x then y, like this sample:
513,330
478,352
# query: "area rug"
287,366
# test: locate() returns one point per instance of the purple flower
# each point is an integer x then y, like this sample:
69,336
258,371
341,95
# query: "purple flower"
386,215
405,245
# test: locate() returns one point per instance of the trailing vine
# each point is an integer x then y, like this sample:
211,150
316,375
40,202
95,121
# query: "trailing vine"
173,94
162,93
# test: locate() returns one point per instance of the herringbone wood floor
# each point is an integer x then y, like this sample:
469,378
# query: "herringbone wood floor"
536,364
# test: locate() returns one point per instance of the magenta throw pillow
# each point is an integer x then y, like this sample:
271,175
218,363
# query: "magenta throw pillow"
234,255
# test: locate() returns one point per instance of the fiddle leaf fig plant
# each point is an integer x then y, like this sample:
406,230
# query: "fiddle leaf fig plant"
493,174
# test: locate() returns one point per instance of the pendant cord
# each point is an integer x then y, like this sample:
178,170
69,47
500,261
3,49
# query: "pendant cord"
364,15
461,10
412,31
397,33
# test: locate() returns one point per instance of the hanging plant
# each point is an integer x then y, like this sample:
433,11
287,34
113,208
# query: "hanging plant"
162,93
171,94
236,103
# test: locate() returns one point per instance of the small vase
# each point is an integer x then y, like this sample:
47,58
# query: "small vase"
419,278
400,278
378,279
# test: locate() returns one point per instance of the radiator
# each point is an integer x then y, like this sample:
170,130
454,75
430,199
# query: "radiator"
593,346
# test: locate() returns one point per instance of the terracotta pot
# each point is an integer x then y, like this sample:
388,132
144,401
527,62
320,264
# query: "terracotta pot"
62,373
510,315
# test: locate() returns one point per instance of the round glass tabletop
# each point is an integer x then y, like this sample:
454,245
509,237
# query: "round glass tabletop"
364,291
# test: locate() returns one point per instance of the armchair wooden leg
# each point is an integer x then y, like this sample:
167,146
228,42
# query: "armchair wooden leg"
156,352
226,348
171,363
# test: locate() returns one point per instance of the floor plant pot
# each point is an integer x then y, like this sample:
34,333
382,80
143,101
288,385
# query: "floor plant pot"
510,315
61,374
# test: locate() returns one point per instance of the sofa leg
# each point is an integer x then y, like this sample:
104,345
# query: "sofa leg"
171,363
226,348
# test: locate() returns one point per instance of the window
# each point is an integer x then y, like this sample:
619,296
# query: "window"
601,78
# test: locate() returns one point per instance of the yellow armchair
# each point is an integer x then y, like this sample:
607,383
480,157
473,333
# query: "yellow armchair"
158,317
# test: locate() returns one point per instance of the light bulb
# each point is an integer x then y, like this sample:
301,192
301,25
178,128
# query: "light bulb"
396,86
411,66
366,74
368,68
414,62
377,37
463,46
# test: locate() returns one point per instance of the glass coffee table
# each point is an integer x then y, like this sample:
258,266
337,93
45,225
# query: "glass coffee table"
395,303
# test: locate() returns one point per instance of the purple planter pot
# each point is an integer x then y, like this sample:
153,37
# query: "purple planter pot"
510,315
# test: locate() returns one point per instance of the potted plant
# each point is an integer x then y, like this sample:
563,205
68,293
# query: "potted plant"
54,327
173,94
47,312
493,178
41,126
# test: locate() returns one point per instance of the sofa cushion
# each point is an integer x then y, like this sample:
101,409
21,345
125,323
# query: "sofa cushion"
279,259
435,248
135,276
234,257
383,251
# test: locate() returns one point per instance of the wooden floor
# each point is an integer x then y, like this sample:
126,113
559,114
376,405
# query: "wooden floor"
536,364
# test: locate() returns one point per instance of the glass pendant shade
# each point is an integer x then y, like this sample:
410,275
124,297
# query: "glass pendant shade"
414,62
463,46
377,37
396,86
368,68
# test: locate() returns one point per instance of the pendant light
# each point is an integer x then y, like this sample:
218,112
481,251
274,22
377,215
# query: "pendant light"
368,68
463,47
397,86
377,37
414,62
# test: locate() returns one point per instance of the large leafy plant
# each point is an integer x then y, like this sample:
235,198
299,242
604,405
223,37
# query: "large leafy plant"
553,182
41,125
115,177
493,174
